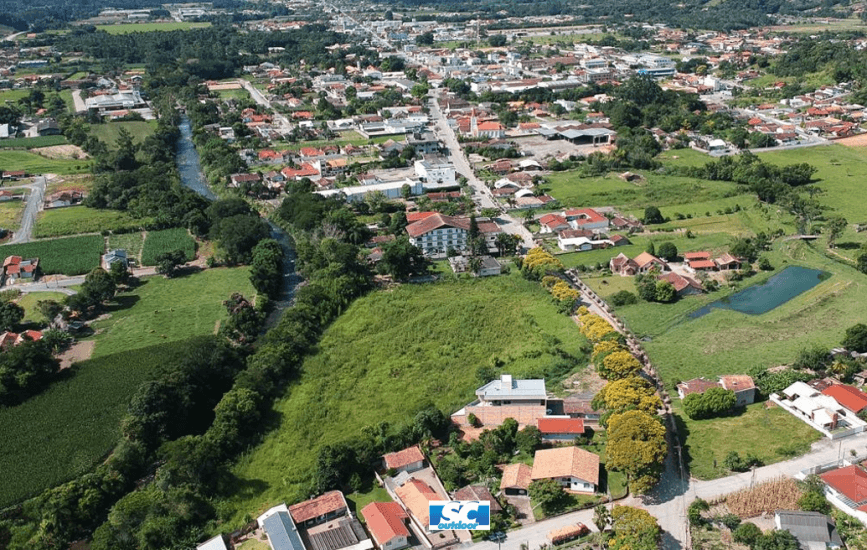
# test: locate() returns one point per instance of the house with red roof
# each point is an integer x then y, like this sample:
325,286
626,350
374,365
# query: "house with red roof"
320,509
560,429
846,488
572,467
647,261
516,479
10,339
623,265
585,218
386,522
407,460
16,267
683,286
436,234
696,385
850,397
553,223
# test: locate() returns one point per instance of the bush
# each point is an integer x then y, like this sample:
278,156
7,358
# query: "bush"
667,251
746,533
623,298
713,402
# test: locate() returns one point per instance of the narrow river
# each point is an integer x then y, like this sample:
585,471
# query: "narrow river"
190,170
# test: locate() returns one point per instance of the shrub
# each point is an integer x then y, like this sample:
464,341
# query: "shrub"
623,298
746,533
713,402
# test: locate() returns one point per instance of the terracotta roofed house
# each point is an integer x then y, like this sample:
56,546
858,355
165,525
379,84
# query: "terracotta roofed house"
516,479
478,492
696,385
683,286
416,496
553,223
852,398
742,385
386,523
585,218
561,429
647,261
407,460
848,484
623,265
574,468
319,509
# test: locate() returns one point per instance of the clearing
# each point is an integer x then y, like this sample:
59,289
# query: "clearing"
109,132
74,220
126,28
422,344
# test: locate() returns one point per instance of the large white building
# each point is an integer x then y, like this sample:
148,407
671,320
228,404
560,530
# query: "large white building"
437,233
436,170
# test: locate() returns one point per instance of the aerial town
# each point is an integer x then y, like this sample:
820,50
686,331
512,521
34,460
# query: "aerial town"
288,275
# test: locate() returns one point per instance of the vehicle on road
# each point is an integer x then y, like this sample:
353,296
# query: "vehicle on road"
497,536
565,534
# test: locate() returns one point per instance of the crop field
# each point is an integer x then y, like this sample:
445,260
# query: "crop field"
35,164
109,132
69,256
68,428
74,220
163,310
770,434
167,240
30,143
131,242
126,28
765,498
422,344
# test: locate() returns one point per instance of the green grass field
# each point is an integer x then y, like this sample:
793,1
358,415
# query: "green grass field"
728,342
166,310
770,434
30,143
35,164
422,344
167,240
71,426
126,28
109,132
240,93
75,220
28,302
10,214
69,256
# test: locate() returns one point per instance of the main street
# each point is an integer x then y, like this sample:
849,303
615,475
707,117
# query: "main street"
485,198
260,99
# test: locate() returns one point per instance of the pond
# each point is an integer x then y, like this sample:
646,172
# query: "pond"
774,292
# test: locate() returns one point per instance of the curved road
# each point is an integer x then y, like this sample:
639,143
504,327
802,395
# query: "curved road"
28,220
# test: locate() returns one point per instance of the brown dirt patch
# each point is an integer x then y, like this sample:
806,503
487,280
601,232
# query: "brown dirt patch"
77,352
65,152
854,141
82,182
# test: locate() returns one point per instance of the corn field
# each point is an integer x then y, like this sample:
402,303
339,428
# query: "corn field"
777,494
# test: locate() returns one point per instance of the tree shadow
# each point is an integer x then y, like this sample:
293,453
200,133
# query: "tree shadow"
124,301
848,245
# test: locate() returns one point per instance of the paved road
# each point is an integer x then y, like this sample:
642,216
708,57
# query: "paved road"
260,99
28,220
485,198
535,534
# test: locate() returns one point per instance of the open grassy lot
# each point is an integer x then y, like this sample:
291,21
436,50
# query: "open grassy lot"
658,190
163,310
728,342
35,164
240,93
126,28
69,256
28,302
770,434
421,344
344,138
71,426
357,501
109,131
10,214
75,220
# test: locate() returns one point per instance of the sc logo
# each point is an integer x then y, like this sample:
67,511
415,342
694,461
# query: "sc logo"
460,514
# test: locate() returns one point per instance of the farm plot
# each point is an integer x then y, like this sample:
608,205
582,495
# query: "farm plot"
74,220
766,498
69,256
131,242
167,240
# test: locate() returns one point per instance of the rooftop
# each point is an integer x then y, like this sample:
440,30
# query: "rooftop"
506,387
852,398
385,520
561,425
516,475
850,481
566,462
331,501
403,458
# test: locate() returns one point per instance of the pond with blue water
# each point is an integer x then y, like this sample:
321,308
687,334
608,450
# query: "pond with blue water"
774,292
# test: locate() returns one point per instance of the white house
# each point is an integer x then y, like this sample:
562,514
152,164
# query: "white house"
436,234
508,391
386,522
572,467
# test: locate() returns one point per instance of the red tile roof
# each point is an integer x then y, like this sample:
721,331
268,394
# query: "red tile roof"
331,501
851,481
385,521
566,462
477,492
417,216
702,264
679,282
553,220
697,385
737,382
585,215
852,398
561,425
403,458
435,222
516,476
